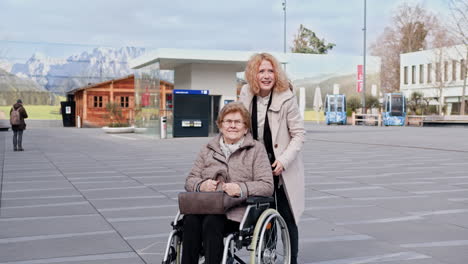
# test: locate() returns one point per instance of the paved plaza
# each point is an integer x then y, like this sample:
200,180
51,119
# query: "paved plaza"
391,195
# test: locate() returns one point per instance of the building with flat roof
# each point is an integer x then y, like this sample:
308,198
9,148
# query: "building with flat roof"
438,74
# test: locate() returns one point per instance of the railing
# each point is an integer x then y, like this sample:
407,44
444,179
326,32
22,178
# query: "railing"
367,119
453,118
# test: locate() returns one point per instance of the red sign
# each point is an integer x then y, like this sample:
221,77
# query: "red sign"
360,78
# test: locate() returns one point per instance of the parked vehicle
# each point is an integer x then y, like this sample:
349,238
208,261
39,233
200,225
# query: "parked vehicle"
394,113
335,109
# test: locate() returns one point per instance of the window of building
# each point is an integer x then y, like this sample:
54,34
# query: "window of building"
124,101
405,77
445,71
438,72
413,74
462,69
97,102
454,70
421,73
429,72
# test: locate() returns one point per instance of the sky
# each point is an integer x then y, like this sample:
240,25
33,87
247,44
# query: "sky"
61,28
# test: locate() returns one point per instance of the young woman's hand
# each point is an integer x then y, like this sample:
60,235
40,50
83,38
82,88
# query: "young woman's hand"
277,168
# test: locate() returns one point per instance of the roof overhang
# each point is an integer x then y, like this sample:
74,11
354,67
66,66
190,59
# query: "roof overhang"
169,59
94,85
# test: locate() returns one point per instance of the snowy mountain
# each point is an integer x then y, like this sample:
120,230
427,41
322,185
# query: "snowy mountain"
62,75
36,68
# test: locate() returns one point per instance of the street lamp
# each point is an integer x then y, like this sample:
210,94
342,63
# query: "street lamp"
284,32
364,63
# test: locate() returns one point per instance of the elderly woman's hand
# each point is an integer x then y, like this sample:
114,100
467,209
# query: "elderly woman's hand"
232,189
209,186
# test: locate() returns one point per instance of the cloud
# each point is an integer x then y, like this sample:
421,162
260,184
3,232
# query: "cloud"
208,24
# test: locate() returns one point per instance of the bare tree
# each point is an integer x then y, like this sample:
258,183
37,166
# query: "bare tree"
459,15
441,41
408,32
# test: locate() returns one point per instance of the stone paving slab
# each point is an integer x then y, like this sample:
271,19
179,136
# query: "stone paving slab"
38,192
355,251
72,208
50,226
411,232
448,254
52,246
373,195
112,258
6,203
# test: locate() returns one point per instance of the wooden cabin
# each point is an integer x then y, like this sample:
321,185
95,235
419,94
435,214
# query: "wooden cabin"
91,101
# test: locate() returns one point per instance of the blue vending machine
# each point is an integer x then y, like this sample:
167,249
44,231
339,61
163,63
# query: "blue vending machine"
335,109
394,113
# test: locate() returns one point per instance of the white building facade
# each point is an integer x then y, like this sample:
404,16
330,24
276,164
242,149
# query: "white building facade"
438,74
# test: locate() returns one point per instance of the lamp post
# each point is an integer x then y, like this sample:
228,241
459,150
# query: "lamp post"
364,63
284,29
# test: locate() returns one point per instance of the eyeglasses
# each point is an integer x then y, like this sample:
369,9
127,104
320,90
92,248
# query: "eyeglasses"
229,122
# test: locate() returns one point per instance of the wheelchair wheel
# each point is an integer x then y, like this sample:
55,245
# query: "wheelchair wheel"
173,249
270,241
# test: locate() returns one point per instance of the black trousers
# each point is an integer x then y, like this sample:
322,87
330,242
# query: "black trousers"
285,211
206,230
17,138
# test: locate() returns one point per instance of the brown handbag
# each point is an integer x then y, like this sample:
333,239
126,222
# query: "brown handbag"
217,202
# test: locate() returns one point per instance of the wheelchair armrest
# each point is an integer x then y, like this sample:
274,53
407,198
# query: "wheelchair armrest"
259,199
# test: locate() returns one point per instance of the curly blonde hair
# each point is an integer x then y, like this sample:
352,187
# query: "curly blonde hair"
281,80
234,107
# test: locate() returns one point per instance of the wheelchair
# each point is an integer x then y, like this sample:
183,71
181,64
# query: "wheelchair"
262,232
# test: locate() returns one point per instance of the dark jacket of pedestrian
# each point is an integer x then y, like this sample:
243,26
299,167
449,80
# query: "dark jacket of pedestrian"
23,115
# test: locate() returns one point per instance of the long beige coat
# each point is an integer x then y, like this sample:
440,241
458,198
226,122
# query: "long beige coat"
288,133
248,166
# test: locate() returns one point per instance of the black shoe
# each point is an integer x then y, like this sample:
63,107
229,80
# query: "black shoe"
15,149
20,149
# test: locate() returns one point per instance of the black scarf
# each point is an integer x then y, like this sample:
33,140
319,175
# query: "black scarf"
267,138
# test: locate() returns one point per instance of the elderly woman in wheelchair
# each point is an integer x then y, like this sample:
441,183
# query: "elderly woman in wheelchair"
247,179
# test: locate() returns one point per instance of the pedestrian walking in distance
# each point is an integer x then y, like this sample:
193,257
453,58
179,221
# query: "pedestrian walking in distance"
17,115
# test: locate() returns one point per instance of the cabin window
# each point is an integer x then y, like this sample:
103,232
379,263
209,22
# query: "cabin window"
97,101
124,101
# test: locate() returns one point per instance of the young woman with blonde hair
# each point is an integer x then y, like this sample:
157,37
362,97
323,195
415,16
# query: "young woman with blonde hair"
277,123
